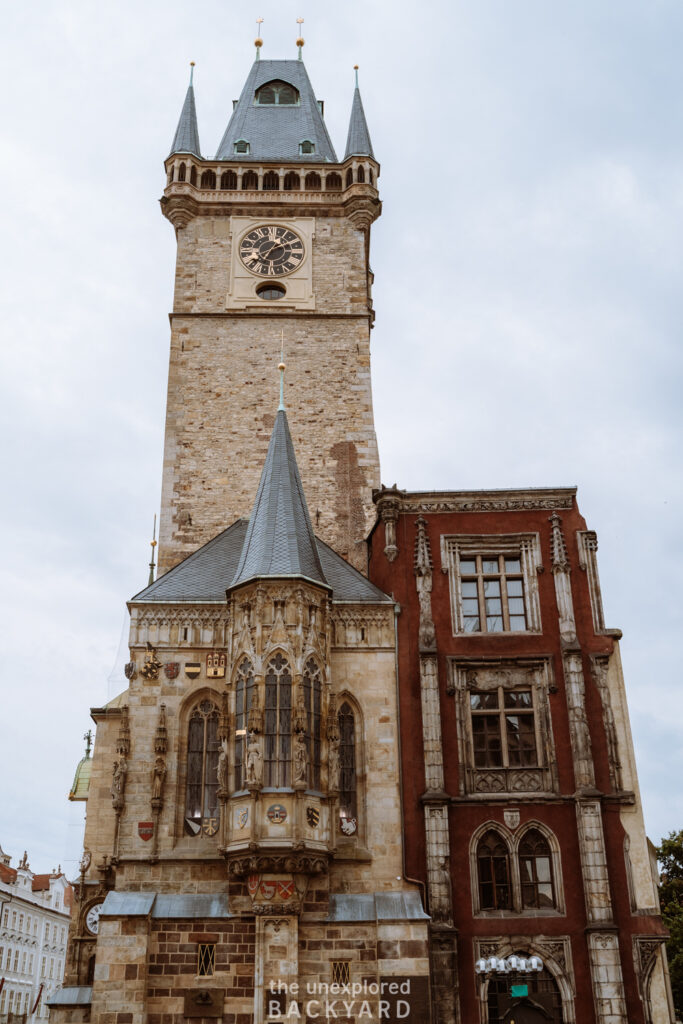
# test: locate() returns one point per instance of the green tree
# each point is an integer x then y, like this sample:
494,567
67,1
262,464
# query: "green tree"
670,857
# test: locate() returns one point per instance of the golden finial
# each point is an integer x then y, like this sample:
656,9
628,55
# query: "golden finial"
153,544
300,40
258,42
355,68
191,71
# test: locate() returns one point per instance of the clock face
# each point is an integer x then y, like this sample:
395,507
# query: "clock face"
271,251
92,918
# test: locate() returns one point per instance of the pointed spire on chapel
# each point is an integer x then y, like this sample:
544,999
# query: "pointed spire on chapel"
280,540
358,140
186,139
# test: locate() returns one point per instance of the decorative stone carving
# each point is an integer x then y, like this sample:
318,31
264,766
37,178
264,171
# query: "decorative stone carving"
645,950
594,861
130,670
118,784
561,575
578,722
511,818
300,759
222,770
600,666
161,735
123,738
333,765
152,666
158,777
475,503
293,862
588,552
254,773
164,626
388,507
423,581
431,723
608,983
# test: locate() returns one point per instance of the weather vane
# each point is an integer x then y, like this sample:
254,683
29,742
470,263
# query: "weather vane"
300,40
258,42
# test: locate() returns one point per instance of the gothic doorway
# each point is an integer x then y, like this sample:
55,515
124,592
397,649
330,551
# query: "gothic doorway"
542,1005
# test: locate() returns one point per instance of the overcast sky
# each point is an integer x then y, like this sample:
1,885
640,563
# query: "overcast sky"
528,295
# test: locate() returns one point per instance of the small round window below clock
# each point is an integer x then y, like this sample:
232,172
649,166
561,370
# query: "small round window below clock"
270,291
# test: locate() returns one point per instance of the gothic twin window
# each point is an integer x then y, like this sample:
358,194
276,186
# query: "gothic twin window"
278,723
201,802
503,728
518,881
244,696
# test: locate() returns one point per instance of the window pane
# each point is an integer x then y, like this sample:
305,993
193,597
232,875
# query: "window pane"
516,606
515,588
494,625
492,588
472,625
543,869
518,699
468,567
512,565
493,606
469,588
517,622
470,606
479,699
490,565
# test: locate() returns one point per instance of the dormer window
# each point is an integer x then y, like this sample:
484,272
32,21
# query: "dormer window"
306,147
241,146
276,94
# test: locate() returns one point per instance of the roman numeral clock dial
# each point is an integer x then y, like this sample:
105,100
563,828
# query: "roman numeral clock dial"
271,251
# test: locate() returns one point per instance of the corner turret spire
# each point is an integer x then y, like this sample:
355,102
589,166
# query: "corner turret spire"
279,540
358,140
186,138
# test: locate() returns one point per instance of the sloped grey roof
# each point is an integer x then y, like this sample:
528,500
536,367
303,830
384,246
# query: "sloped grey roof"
358,140
78,995
141,904
186,138
377,906
280,539
274,133
204,576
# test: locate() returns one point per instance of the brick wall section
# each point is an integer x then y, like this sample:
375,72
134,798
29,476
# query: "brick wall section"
173,967
121,971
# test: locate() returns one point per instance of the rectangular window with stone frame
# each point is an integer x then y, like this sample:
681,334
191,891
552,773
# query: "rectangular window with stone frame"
493,583
505,737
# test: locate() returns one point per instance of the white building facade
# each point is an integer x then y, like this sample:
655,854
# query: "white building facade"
35,910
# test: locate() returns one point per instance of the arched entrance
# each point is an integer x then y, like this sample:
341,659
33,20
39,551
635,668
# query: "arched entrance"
542,1005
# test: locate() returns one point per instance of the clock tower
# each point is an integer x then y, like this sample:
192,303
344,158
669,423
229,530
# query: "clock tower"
273,238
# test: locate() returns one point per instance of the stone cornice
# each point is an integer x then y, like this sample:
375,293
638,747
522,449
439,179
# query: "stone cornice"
515,500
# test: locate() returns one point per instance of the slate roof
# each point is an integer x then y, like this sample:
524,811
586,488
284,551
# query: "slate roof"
205,575
358,140
274,133
186,138
280,539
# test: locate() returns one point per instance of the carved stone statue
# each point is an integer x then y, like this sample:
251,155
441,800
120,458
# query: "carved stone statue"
440,896
333,766
222,769
158,777
300,758
118,784
254,761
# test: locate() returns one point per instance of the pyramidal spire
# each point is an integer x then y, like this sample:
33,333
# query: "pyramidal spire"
358,140
186,139
280,540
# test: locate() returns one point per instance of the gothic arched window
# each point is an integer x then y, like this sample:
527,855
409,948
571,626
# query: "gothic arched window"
333,182
244,695
181,172
193,175
535,871
313,181
250,180
278,722
277,93
228,180
271,181
348,784
493,867
208,179
292,181
349,177
361,175
312,684
201,801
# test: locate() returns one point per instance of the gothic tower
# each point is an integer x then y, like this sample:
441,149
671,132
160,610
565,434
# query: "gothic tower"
273,239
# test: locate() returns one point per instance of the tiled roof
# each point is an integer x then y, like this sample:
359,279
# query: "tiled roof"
7,875
186,138
205,575
41,882
358,140
274,132
280,540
